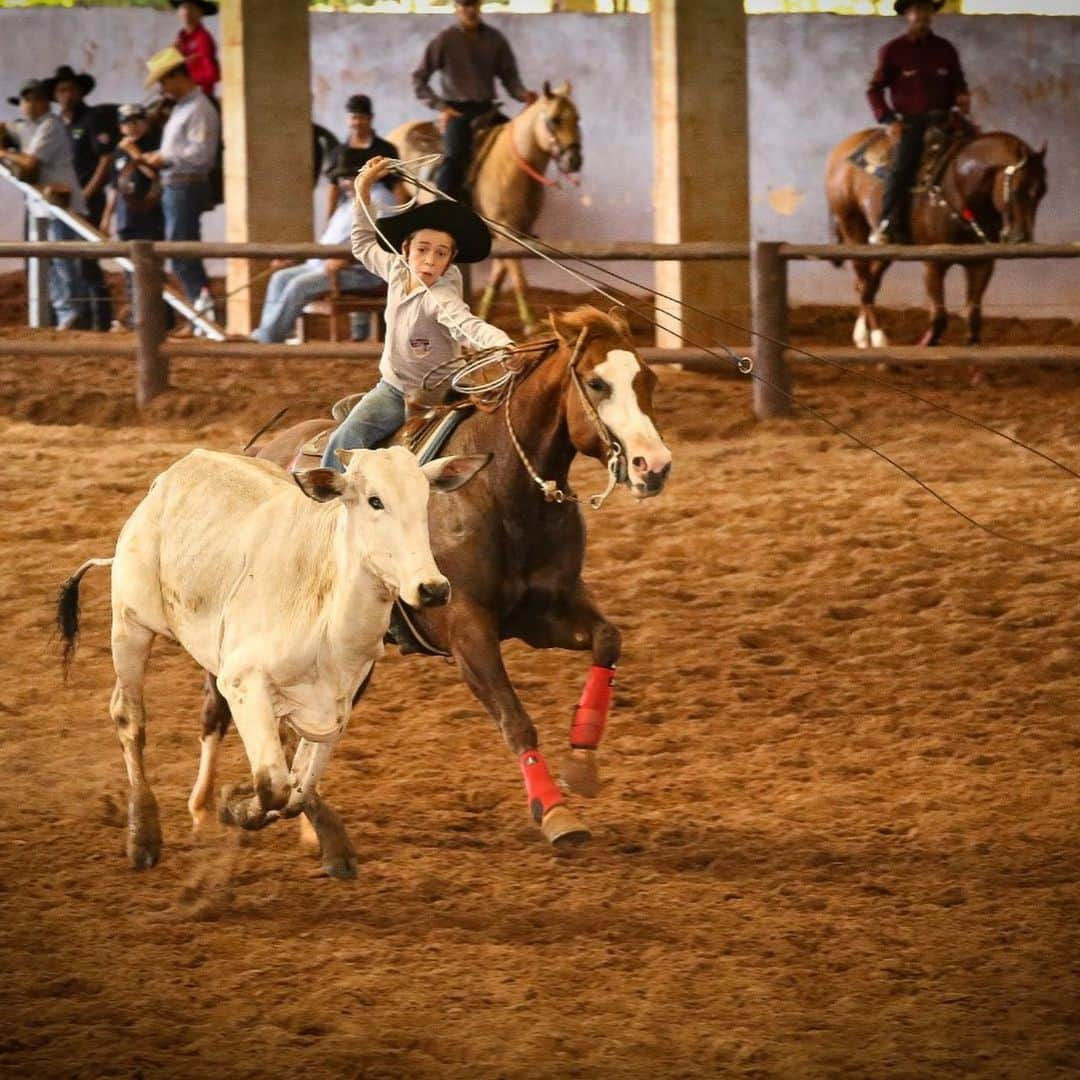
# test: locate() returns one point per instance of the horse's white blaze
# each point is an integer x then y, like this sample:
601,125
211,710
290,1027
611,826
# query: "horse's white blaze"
623,415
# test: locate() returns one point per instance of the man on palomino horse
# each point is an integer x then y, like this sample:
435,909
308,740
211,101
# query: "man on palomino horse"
469,57
923,77
425,312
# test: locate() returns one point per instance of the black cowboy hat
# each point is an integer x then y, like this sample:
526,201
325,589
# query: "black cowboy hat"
470,234
66,73
207,7
900,6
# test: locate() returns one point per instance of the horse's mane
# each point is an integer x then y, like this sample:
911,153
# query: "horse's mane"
586,317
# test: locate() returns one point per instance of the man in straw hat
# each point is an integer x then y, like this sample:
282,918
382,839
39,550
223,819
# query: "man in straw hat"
924,80
189,145
426,316
45,153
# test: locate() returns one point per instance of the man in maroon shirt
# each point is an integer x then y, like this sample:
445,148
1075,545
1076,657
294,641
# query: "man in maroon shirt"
924,80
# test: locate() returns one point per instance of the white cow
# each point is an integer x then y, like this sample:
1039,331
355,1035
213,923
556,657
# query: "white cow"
284,599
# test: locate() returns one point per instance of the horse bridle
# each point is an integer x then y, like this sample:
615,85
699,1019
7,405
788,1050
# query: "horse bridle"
616,455
562,149
967,215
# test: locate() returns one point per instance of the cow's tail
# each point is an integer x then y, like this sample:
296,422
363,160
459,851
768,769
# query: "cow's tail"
67,610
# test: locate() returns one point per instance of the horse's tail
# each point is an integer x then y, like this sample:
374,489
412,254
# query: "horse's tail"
67,611
837,235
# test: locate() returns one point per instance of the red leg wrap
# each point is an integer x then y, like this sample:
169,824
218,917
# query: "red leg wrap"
590,716
540,789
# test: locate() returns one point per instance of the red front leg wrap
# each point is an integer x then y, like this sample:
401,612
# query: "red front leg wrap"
540,789
590,716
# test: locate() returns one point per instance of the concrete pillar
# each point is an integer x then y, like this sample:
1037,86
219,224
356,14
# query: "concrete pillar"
266,121
701,151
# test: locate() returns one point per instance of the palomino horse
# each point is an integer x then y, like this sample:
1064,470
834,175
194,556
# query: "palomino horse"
513,542
508,177
990,185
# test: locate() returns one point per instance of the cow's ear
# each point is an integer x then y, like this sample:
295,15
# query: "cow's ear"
450,473
322,485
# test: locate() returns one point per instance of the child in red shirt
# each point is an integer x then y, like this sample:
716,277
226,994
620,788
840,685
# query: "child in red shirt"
197,43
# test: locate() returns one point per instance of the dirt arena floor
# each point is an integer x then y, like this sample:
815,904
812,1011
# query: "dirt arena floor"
838,832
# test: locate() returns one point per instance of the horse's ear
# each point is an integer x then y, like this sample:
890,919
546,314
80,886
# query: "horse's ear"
1041,152
617,316
564,90
547,89
562,331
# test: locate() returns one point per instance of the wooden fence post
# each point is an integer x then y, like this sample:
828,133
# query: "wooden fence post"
152,369
770,300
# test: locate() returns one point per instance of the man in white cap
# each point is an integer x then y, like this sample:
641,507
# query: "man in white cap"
189,146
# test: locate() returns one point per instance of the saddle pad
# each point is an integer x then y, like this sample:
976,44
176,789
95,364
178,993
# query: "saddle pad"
872,155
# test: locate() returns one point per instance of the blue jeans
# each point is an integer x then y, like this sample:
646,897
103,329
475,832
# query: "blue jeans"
67,290
376,416
183,205
291,288
458,146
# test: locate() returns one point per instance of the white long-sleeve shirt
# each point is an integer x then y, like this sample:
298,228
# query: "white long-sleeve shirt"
422,327
189,143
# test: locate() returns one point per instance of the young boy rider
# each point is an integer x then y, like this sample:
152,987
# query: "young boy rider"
426,316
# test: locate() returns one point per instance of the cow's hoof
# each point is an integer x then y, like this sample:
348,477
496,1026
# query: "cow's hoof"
562,829
342,868
580,774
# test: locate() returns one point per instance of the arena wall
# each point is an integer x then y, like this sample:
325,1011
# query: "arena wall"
807,81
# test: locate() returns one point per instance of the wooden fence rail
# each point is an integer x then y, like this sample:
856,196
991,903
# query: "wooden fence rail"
772,352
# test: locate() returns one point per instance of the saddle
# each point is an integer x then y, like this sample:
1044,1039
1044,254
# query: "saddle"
485,128
940,142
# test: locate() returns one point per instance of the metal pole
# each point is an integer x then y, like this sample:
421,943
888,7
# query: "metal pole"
37,275
769,273
152,369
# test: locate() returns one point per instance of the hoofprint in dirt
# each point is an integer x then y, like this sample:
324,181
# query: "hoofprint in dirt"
838,835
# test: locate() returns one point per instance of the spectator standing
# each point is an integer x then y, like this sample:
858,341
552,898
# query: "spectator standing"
92,146
197,43
134,191
469,56
189,144
45,152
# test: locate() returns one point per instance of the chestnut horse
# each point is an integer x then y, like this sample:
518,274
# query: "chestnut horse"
991,184
508,179
513,543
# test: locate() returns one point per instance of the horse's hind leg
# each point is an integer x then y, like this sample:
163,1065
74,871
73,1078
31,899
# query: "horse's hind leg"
215,722
868,331
131,650
474,643
494,286
576,624
934,279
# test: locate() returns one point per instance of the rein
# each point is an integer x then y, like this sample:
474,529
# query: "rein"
967,216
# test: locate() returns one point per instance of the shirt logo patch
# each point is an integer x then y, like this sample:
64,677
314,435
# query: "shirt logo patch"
943,71
420,346
908,72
